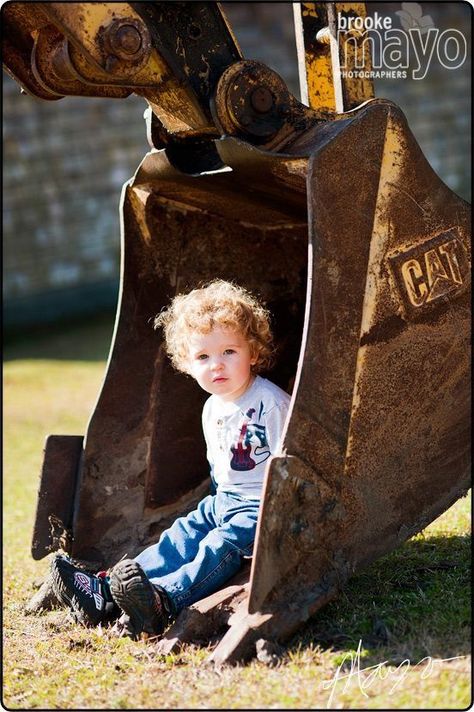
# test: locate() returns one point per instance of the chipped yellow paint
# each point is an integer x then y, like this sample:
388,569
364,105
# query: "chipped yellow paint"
138,197
393,157
392,161
82,21
320,83
323,87
358,89
173,103
315,67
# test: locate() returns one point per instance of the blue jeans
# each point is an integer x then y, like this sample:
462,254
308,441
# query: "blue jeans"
201,551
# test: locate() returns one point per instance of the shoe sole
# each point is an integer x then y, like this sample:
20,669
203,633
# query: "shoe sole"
133,592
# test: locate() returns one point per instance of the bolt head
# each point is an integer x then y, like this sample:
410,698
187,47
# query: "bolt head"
126,39
262,100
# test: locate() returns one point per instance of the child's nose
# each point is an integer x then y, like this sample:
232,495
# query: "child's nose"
216,364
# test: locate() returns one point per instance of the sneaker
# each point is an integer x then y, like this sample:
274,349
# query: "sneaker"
146,606
88,596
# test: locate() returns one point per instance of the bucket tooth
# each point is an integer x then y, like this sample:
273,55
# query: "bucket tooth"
55,505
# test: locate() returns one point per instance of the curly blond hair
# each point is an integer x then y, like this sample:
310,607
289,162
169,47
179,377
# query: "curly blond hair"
216,304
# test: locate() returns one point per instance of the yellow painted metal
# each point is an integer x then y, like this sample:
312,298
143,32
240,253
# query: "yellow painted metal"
174,104
315,67
333,63
81,22
354,57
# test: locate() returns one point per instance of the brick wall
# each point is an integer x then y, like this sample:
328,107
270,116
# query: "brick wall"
65,163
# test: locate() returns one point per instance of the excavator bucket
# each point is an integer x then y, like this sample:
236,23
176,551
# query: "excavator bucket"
378,439
365,266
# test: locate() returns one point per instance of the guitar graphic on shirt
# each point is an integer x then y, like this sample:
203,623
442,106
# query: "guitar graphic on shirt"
241,459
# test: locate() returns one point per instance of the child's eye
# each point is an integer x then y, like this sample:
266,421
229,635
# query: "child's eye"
229,351
202,357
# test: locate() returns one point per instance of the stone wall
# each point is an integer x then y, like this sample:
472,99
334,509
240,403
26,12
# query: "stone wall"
65,163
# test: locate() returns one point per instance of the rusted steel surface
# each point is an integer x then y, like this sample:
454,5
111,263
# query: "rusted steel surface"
194,40
208,619
144,460
36,54
331,60
377,442
172,55
372,320
252,102
52,69
56,494
19,21
378,439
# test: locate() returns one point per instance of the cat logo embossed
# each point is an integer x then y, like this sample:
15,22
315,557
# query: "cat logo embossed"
431,271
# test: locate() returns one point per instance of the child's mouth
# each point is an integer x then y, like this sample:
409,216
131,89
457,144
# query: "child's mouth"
221,379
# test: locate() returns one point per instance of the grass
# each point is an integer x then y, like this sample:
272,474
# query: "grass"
412,605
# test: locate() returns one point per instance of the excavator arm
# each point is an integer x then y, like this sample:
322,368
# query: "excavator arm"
330,211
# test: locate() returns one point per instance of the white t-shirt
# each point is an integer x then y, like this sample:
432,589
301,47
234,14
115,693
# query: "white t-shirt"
241,436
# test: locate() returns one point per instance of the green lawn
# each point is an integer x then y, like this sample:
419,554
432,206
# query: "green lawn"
413,605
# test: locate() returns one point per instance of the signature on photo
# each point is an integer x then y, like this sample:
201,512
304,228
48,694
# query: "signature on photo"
366,676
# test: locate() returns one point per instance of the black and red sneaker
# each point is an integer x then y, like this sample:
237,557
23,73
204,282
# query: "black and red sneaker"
147,606
87,595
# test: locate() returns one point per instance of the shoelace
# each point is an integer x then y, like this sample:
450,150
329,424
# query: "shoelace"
104,577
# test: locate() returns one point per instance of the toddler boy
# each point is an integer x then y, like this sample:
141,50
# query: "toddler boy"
220,335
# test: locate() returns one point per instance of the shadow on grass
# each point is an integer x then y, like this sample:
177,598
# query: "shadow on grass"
85,340
412,603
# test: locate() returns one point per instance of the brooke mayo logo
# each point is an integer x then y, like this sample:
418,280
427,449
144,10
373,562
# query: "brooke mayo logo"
394,50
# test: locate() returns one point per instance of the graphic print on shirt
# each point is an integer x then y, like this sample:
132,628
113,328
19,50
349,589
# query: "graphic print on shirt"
241,459
257,435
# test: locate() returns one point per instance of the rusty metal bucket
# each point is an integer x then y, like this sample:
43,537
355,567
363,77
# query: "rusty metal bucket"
372,318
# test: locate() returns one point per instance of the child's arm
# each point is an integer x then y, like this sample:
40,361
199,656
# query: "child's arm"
275,421
208,452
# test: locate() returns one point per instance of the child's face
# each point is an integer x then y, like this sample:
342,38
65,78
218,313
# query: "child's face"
220,362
